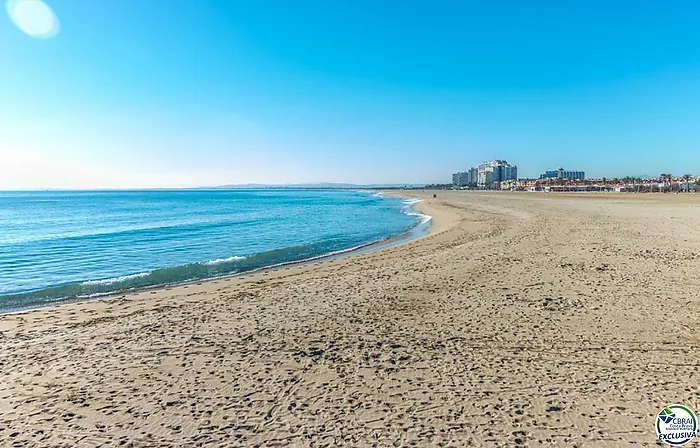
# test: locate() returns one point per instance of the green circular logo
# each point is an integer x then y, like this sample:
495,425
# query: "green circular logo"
676,425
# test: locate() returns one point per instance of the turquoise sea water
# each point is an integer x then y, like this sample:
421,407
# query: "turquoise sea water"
57,246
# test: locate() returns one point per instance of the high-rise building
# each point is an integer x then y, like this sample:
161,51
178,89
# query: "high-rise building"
499,170
467,178
510,172
460,179
486,175
561,173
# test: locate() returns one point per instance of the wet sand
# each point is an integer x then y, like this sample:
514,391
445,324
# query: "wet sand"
521,319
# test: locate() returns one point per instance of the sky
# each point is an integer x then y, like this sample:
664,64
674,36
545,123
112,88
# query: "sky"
181,93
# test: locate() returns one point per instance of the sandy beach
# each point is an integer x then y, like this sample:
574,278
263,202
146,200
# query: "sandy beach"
521,319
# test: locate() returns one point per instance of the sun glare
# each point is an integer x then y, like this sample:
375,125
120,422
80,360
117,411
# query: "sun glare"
34,17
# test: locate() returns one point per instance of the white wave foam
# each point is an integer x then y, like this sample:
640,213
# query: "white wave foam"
408,210
113,280
222,260
421,217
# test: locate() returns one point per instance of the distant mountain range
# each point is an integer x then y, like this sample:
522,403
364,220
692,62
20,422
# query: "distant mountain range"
322,185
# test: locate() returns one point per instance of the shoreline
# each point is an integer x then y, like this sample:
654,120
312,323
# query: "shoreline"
419,230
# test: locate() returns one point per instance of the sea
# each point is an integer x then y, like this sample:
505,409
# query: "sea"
58,246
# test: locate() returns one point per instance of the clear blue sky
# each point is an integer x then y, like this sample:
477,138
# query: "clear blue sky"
139,93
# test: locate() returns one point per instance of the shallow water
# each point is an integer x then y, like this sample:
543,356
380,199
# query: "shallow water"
63,245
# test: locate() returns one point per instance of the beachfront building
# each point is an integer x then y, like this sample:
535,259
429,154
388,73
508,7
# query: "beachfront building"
561,173
484,178
509,185
491,174
527,184
467,178
485,175
460,179
473,175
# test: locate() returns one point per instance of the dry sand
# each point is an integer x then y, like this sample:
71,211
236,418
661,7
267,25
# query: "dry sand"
522,319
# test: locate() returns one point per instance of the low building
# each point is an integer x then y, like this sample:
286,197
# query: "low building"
528,184
509,185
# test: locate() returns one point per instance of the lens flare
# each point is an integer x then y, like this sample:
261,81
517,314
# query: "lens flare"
33,17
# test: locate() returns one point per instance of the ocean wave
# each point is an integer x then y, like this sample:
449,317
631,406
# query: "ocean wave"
222,260
420,217
113,280
408,210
